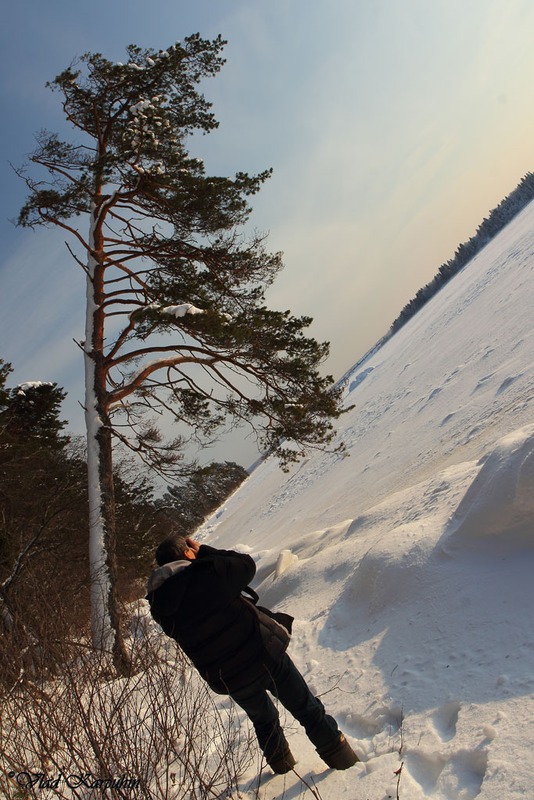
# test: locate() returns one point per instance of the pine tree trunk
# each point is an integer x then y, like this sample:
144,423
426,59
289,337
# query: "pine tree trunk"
105,613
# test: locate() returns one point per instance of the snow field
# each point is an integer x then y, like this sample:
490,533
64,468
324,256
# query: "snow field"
408,564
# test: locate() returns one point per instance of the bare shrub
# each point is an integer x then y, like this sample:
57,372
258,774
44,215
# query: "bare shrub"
158,733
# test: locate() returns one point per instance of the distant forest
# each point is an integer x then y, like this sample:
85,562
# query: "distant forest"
490,227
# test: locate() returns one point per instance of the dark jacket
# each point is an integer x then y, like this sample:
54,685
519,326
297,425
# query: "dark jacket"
199,604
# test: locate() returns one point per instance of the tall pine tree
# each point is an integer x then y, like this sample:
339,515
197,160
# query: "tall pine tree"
176,317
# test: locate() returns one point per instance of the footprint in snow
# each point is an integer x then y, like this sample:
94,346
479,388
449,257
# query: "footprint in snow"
507,383
460,774
446,719
482,382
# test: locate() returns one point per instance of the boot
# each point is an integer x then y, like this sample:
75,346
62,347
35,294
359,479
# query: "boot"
282,760
338,755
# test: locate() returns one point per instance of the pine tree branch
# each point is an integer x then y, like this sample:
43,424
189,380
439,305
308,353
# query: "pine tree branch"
137,381
64,226
78,260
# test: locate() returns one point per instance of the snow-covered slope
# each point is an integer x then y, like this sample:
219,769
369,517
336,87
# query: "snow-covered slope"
411,561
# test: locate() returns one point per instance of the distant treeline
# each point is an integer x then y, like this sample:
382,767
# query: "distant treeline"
490,227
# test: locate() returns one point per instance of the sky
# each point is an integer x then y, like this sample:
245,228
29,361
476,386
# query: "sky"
392,129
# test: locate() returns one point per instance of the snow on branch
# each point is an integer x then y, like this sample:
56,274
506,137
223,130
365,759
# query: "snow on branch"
181,310
27,386
188,308
177,311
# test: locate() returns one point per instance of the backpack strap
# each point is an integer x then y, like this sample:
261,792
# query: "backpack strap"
286,620
254,596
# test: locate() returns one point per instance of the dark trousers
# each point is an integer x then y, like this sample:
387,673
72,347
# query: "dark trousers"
286,684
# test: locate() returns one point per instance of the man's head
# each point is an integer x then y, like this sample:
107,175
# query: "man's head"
174,548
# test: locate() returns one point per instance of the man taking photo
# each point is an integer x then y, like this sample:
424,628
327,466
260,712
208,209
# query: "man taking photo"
195,595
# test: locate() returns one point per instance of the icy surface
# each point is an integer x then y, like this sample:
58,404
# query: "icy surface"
408,564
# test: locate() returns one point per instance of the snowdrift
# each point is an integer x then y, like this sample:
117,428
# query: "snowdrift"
499,504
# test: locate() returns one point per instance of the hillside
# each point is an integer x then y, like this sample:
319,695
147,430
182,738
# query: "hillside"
408,563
